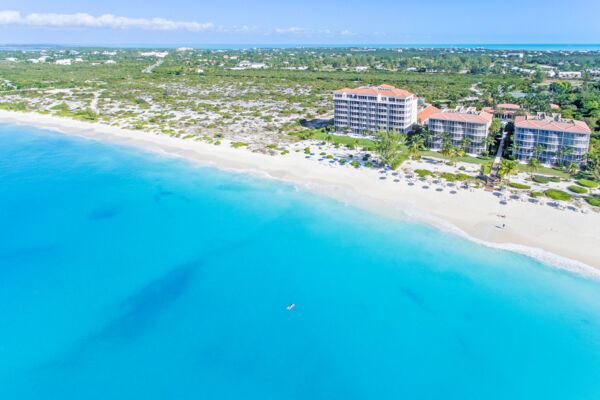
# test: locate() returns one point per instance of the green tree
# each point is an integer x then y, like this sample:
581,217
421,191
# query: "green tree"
415,145
572,168
388,146
490,141
495,127
538,150
533,165
507,168
465,143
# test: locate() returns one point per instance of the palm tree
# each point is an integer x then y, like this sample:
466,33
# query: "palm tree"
416,144
533,165
490,141
446,139
507,168
453,153
446,150
426,135
562,152
572,168
466,142
538,150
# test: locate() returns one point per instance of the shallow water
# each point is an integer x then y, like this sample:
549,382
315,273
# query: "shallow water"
128,275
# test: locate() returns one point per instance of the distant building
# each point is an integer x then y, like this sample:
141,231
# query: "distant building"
551,139
569,74
159,54
248,64
460,124
369,108
65,61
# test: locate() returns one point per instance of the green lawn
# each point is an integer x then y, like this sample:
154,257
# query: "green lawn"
467,159
345,140
544,171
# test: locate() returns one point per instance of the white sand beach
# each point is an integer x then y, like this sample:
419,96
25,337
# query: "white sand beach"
568,238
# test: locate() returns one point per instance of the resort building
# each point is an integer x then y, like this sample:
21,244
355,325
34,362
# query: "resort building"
369,108
465,127
425,112
551,139
504,111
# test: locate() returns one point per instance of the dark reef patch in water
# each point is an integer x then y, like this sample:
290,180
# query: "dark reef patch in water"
105,212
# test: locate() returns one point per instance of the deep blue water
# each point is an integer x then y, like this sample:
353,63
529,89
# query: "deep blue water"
125,275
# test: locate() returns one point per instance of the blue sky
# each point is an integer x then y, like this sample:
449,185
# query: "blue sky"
173,22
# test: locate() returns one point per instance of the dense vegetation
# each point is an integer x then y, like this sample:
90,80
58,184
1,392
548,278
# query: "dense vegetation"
209,92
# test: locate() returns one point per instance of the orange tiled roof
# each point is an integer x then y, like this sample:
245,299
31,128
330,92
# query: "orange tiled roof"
554,106
508,106
481,118
383,90
569,125
425,113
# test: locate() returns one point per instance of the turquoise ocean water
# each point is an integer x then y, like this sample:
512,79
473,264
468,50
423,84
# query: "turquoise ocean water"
127,275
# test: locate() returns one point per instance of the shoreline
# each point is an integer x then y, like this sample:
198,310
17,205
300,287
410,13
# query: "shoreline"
564,239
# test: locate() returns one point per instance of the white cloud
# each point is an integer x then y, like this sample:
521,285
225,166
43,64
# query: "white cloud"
103,21
53,20
293,29
308,31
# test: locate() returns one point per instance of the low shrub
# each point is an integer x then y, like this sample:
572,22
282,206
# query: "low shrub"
447,176
587,183
536,194
323,153
218,142
423,172
283,153
556,194
342,161
368,164
462,168
462,177
238,144
594,201
541,179
486,169
355,163
307,150
518,185
271,146
577,189
330,156
366,157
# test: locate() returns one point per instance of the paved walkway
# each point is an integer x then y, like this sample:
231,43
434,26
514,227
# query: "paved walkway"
493,175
